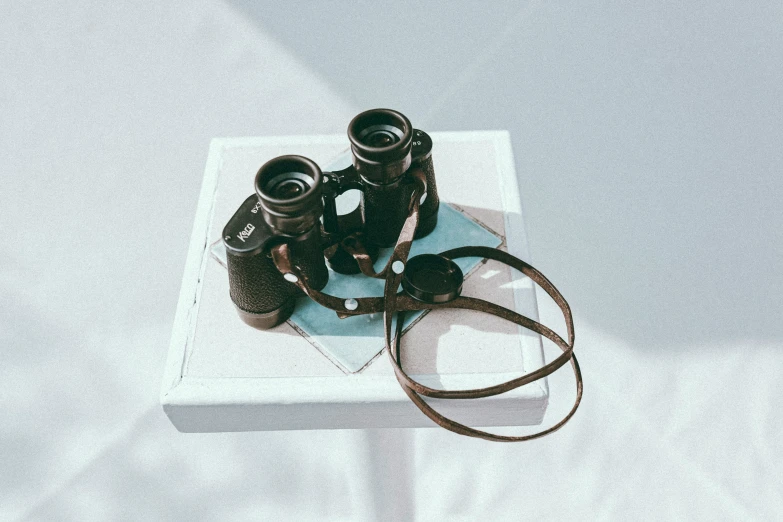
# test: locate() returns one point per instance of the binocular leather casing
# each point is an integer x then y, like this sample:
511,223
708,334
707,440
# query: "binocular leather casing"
294,203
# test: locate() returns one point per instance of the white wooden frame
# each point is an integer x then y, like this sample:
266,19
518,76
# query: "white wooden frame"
198,404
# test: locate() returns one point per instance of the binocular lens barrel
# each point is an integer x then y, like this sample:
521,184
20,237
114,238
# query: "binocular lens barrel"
381,144
289,188
291,197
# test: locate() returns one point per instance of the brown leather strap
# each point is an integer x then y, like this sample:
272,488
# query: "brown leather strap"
405,238
414,390
462,429
399,302
281,255
364,305
393,302
404,302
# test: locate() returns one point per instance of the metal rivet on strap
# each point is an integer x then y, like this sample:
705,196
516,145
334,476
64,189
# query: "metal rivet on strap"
291,278
351,304
398,267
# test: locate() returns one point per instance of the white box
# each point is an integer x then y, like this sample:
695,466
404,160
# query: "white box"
222,375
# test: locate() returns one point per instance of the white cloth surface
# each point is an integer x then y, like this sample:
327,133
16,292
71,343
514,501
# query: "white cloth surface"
648,150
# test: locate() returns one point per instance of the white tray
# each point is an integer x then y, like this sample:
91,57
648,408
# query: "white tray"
222,375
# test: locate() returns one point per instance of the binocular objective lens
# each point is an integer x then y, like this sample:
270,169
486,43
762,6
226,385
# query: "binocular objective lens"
379,136
380,139
288,185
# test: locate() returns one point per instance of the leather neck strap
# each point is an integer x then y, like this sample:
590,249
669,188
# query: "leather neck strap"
393,302
400,303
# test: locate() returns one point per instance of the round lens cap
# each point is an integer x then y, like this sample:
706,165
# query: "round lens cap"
432,278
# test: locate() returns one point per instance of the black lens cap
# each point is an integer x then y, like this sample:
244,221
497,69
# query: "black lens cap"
432,278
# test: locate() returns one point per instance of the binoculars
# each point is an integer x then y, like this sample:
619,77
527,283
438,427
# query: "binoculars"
295,203
280,240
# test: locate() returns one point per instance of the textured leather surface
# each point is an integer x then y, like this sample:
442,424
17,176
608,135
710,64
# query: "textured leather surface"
384,208
257,286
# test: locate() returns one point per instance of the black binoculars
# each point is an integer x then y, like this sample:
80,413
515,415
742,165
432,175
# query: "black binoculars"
295,203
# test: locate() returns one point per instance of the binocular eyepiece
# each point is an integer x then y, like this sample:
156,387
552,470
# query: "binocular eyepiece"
381,142
294,203
289,189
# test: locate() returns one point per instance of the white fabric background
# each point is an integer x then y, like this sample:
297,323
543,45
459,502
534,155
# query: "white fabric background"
648,146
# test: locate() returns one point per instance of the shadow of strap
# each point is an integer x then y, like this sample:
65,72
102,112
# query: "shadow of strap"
462,429
514,262
470,303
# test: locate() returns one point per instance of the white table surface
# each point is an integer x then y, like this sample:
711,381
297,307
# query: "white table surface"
647,143
222,375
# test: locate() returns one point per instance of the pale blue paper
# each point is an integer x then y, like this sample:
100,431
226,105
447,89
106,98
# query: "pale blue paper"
355,341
